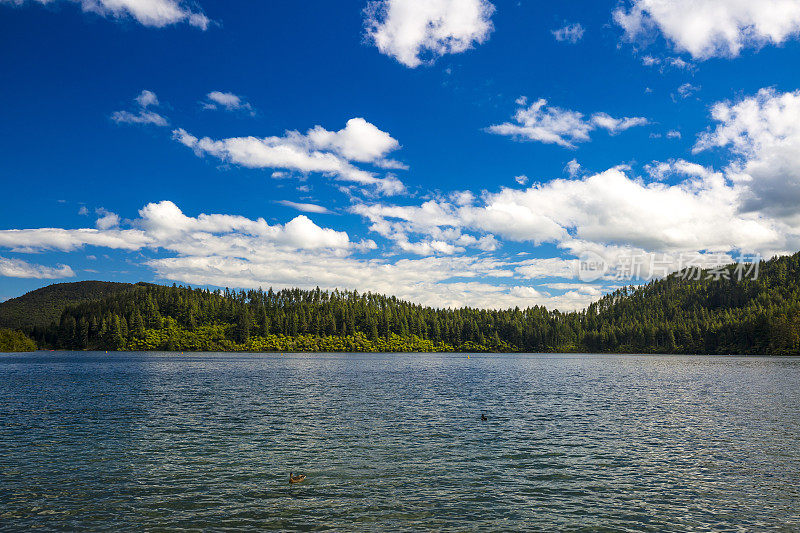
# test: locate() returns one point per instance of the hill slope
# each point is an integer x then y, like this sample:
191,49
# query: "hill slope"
43,307
15,341
672,315
718,316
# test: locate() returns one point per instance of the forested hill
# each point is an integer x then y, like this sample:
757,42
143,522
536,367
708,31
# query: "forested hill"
672,315
44,306
716,316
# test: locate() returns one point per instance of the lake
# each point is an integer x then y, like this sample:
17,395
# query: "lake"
134,441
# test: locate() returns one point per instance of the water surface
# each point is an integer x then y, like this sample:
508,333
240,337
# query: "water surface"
206,441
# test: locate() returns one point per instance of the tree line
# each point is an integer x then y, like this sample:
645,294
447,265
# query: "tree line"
671,315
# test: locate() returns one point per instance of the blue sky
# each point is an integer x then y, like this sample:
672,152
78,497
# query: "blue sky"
453,152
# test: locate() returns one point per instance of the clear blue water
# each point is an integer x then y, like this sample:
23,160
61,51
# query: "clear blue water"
168,441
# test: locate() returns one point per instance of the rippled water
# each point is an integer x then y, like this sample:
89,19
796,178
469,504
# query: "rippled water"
167,441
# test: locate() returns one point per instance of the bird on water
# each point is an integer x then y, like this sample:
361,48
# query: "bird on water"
296,479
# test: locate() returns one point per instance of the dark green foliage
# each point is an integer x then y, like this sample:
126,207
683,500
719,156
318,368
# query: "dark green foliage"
723,316
15,341
43,307
673,315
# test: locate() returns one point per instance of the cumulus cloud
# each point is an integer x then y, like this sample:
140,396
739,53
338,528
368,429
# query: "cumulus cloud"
708,28
227,101
437,220
553,125
167,227
235,251
164,226
359,141
763,132
570,33
143,115
17,268
106,219
700,212
612,208
319,150
414,32
152,13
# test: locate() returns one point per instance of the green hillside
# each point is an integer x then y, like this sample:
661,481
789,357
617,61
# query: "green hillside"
723,316
672,315
15,341
42,307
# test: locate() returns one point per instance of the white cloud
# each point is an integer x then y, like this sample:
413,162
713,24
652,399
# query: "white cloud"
142,117
611,208
307,208
462,197
153,13
573,168
235,251
167,227
609,214
66,240
359,141
17,268
229,101
707,28
673,134
763,132
144,100
438,221
414,32
163,225
547,267
571,33
550,125
687,89
661,170
107,219
553,125
662,62
617,125
700,212
580,287
522,179
319,150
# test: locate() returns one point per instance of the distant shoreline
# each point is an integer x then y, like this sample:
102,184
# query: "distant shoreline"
674,315
477,354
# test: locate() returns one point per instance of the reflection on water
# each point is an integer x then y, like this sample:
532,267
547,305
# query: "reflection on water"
133,441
